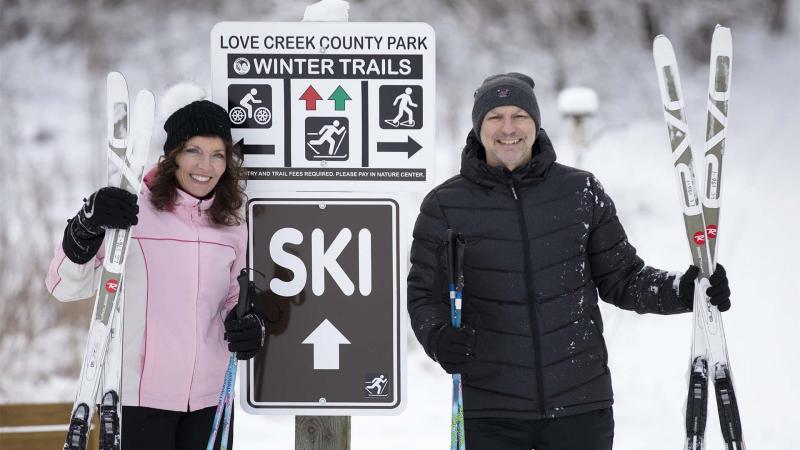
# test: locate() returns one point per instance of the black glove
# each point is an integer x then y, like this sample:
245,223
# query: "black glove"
455,348
245,336
719,293
109,207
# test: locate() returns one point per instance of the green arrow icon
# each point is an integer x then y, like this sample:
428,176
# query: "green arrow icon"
339,96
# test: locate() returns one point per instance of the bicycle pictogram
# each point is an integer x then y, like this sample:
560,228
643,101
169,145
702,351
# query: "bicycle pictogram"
249,106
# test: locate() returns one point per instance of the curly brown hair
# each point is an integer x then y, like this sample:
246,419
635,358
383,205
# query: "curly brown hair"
229,195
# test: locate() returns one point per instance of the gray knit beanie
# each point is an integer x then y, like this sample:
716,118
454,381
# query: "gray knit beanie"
502,90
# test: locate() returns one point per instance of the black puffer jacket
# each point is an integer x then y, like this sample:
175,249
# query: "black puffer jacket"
541,242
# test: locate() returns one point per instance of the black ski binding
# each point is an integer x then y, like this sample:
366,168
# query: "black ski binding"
109,421
78,428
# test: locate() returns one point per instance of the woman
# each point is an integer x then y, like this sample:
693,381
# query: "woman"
188,245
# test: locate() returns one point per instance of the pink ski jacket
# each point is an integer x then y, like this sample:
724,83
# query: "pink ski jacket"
179,282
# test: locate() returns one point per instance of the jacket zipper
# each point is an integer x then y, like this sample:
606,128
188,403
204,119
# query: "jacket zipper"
196,298
537,345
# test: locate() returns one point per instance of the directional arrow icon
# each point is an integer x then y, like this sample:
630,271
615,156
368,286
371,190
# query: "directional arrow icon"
326,339
411,147
310,96
339,96
255,149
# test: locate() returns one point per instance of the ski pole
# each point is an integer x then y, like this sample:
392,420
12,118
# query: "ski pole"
455,284
225,403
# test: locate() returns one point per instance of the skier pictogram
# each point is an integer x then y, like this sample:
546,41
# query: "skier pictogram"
400,106
249,105
326,138
376,387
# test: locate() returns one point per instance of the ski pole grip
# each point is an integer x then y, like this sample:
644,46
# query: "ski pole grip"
458,262
450,237
244,290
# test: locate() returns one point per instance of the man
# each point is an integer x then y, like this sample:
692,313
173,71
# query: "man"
542,239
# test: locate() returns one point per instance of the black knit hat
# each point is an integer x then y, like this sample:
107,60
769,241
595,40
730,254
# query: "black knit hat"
199,118
502,90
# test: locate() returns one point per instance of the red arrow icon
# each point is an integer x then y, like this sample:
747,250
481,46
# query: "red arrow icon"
310,96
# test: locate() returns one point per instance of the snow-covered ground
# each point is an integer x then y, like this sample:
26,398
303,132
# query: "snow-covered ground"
648,354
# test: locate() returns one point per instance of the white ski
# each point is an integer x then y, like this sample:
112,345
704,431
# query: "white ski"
709,348
128,155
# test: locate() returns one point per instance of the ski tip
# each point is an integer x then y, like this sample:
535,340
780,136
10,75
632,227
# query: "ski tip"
145,93
115,77
721,30
146,101
663,52
661,42
721,41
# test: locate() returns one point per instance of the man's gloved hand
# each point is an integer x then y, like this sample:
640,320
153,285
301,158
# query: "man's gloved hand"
455,348
109,207
719,292
245,336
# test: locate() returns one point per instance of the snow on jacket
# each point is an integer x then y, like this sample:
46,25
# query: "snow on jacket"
533,266
180,281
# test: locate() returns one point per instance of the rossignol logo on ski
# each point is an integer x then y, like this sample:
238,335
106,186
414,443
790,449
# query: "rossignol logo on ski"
112,285
699,238
711,231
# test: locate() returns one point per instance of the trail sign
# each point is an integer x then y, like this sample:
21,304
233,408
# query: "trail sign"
379,78
331,293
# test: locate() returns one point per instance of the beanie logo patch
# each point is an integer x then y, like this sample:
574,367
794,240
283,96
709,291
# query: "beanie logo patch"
503,92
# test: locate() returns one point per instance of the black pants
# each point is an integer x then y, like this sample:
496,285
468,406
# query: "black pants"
589,431
159,429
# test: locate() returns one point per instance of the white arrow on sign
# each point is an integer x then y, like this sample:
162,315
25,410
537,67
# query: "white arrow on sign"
326,339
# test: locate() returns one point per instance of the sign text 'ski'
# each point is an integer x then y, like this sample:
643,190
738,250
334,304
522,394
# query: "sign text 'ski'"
340,106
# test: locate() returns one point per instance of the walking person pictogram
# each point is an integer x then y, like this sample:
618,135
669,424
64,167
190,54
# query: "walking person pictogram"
400,107
405,101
